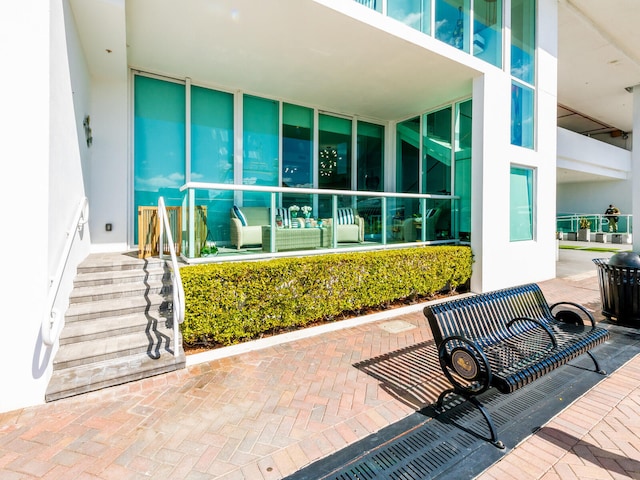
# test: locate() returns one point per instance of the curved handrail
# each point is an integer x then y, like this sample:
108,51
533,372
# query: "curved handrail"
178,290
52,321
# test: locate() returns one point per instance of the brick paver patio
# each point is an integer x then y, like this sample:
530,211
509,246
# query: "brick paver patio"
266,414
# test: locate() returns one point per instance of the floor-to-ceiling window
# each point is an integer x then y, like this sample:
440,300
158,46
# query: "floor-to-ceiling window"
260,142
523,44
334,156
462,185
370,175
212,151
159,149
452,22
297,152
487,31
415,13
436,151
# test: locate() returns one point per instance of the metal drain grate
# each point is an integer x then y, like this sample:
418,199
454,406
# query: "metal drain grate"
450,445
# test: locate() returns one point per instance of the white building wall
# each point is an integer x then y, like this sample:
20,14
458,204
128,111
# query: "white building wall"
110,180
498,261
40,136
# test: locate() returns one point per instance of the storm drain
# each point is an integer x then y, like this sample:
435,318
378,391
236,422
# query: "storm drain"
453,444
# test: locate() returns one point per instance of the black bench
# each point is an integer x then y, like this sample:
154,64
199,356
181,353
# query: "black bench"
507,339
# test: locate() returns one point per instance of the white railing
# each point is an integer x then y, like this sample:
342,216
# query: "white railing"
177,290
598,222
52,321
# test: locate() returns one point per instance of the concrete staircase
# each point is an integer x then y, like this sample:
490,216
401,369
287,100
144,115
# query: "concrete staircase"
118,327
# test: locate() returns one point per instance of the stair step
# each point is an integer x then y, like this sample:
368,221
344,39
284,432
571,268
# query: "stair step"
152,340
105,327
158,273
99,262
74,381
117,291
152,304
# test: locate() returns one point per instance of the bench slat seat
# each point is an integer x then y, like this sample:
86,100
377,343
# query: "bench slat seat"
508,339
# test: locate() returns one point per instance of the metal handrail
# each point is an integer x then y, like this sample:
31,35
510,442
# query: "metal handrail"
52,320
598,219
178,290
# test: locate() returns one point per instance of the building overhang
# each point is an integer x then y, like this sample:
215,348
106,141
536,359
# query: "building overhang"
339,56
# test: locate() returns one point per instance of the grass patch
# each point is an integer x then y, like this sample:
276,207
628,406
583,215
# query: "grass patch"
592,249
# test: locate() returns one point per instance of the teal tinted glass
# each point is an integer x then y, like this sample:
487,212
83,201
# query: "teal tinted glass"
463,167
211,136
523,40
260,147
436,151
487,31
159,143
452,23
212,155
522,115
370,157
334,157
297,152
407,165
521,204
415,13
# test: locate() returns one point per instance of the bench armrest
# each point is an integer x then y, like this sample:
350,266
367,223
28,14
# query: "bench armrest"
538,323
461,357
569,316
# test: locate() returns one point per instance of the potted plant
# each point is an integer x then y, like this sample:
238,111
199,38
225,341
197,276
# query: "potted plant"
584,232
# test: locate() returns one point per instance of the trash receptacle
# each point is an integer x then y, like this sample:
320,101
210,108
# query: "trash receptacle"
619,279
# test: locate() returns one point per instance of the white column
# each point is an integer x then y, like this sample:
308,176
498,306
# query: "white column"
635,170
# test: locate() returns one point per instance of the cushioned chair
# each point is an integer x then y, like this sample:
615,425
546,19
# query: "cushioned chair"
246,224
350,226
411,232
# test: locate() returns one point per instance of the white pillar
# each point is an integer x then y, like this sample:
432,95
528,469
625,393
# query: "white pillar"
635,170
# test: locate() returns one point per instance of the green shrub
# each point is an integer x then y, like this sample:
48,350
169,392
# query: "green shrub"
227,303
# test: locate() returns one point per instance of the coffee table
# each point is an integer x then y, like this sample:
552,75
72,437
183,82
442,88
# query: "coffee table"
296,238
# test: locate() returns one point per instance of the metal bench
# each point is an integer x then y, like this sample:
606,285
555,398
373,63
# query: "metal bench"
507,339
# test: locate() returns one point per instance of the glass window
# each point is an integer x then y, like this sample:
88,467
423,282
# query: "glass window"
522,115
415,13
297,152
370,157
523,39
463,167
407,166
452,23
487,31
212,155
521,204
370,176
334,157
260,146
436,150
159,146
211,136
373,4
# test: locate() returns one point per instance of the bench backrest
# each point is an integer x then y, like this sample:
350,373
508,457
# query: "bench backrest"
484,317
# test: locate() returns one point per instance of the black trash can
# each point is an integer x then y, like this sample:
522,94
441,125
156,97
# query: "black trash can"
620,287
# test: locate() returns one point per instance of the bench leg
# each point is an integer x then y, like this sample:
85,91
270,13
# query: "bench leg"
595,361
492,428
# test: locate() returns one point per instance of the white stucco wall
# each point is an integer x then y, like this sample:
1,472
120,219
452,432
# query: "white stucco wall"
500,262
24,127
40,142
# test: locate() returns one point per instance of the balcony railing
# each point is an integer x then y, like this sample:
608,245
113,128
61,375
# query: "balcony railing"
338,220
599,223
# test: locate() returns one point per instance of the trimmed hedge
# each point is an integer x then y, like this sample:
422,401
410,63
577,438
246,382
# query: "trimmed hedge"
227,303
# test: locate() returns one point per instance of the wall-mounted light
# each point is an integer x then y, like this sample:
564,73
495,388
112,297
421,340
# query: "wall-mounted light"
87,130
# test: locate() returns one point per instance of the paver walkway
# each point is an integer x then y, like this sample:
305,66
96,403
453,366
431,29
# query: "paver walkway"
265,414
